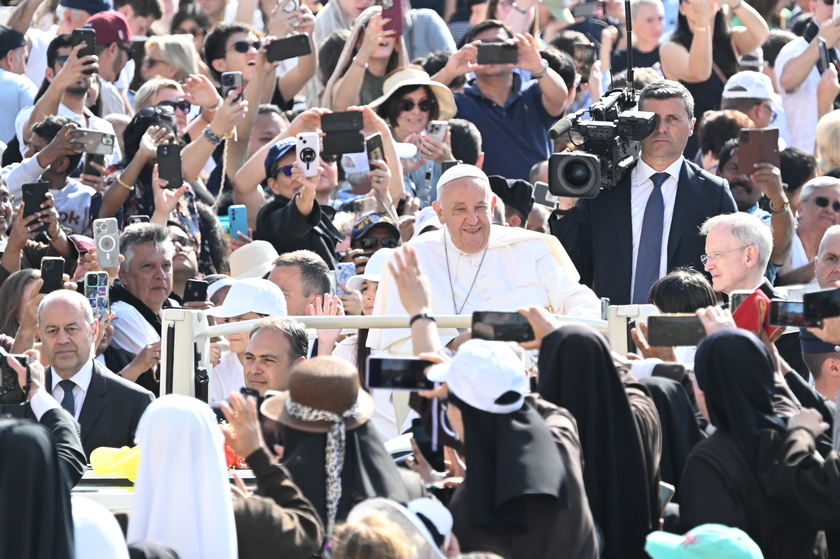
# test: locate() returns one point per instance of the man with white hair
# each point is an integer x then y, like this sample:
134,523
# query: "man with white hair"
818,209
475,266
738,248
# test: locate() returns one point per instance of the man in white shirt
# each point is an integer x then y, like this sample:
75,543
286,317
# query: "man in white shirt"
18,91
475,266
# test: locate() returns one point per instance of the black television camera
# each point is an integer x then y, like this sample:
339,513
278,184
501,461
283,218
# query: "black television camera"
611,145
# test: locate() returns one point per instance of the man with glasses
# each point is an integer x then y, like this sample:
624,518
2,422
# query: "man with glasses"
747,189
818,209
113,34
738,247
752,94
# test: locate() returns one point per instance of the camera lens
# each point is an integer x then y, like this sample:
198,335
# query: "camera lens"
577,174
92,281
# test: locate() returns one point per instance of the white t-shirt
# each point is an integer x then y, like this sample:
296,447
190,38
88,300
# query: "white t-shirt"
36,65
801,104
798,258
131,331
228,376
73,205
18,93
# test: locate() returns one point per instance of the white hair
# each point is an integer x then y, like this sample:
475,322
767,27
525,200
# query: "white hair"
830,233
748,229
817,184
71,298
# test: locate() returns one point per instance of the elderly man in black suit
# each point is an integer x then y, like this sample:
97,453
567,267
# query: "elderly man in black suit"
626,238
106,406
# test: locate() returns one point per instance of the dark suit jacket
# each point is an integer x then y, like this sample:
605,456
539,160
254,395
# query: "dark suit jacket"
599,233
111,411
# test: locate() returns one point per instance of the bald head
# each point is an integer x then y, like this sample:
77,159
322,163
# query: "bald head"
827,265
72,299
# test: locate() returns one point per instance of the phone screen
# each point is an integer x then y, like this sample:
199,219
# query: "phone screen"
821,304
397,373
501,327
787,313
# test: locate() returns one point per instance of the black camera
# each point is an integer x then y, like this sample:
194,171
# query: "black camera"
611,145
10,390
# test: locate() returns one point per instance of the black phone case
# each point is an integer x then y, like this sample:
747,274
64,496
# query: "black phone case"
375,149
338,143
195,290
92,157
34,194
288,47
52,272
344,121
496,53
169,165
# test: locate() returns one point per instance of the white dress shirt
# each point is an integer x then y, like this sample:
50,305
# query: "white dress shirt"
131,331
226,377
640,189
82,381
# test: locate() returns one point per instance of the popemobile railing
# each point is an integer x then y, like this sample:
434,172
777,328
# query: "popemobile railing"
186,336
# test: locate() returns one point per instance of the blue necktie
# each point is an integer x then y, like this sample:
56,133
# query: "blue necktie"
650,243
68,402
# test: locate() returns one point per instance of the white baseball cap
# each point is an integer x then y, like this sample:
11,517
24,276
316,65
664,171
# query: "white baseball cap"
373,269
427,217
481,373
748,85
253,260
251,295
432,511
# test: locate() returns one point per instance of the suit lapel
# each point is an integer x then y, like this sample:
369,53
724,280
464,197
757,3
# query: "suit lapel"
94,401
688,190
619,208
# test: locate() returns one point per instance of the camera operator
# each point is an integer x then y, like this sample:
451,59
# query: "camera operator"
630,236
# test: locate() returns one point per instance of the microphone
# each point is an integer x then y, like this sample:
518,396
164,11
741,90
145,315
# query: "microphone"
560,127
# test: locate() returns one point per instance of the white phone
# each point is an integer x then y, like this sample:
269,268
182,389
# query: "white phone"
836,13
308,158
437,129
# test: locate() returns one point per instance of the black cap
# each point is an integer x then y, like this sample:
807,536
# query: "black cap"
516,193
10,39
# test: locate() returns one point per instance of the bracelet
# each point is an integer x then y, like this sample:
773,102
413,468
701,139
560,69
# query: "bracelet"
701,28
51,239
216,106
518,9
359,64
122,184
422,315
781,210
211,137
543,73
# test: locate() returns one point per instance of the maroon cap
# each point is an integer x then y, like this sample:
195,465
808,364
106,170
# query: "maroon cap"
111,27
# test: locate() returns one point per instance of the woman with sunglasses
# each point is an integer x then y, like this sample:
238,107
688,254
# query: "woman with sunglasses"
370,54
703,52
818,209
191,20
172,57
410,102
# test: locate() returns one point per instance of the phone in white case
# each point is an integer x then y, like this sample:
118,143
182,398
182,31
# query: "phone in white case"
308,158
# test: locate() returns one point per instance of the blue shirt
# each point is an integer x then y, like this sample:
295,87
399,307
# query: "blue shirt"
515,136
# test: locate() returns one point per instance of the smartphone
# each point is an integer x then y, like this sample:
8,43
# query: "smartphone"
343,272
95,141
10,389
290,6
836,13
342,121
757,145
97,158
195,290
96,292
666,493
169,165
308,160
787,313
449,163
88,37
497,53
674,330
35,194
821,304
501,327
544,196
331,276
238,220
437,129
823,61
52,272
393,10
106,237
585,9
375,151
132,219
736,297
424,442
288,47
398,373
231,81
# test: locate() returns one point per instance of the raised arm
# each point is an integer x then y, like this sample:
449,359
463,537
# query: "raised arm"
693,65
345,92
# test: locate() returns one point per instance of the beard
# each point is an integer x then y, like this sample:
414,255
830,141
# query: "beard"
79,89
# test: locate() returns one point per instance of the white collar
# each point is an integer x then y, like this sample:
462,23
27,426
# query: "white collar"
645,171
82,378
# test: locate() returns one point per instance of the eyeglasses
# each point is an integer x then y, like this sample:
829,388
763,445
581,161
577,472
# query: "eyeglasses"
195,31
823,202
773,115
150,62
183,106
243,46
425,105
7,200
150,112
706,258
286,170
184,242
370,243
126,49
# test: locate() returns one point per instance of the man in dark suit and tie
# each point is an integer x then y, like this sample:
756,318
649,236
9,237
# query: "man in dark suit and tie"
106,406
626,238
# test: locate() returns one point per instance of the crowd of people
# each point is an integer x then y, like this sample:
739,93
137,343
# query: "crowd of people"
431,194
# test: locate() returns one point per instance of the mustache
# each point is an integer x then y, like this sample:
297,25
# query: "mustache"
740,184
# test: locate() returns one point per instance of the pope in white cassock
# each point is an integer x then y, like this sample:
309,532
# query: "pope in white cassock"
475,266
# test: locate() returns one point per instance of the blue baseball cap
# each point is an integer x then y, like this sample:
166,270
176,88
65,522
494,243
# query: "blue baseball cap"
277,151
712,541
812,344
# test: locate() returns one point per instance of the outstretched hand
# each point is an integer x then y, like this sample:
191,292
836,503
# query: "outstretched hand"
412,283
243,432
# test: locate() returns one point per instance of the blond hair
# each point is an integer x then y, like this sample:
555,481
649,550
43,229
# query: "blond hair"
179,52
145,96
828,141
374,537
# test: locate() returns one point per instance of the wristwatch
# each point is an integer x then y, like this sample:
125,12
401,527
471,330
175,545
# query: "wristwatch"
543,73
781,210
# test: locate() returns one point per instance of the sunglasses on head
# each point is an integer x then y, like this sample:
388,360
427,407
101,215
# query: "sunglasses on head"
148,112
368,243
425,105
822,202
243,46
183,106
286,170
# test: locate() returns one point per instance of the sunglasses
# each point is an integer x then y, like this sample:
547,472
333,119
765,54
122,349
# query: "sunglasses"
425,105
183,242
151,62
369,243
149,112
195,31
243,46
126,49
822,202
286,170
61,59
183,106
